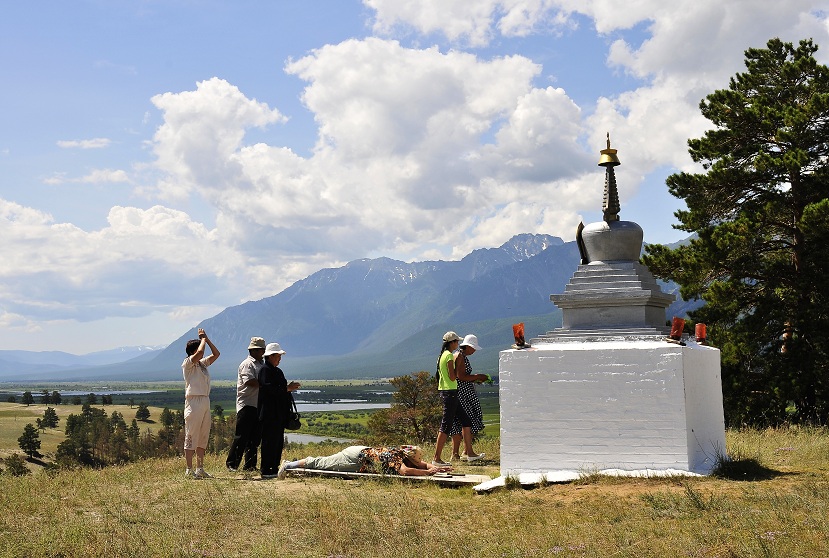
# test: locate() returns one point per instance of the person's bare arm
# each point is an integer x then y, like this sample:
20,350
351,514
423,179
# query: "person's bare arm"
199,354
421,469
460,371
450,367
414,471
214,352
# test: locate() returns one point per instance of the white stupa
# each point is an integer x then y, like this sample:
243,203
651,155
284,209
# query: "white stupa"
607,391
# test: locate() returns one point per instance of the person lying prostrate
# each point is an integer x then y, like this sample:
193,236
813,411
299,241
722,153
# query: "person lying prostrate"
403,460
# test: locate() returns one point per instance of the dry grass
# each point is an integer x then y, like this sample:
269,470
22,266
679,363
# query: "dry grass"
149,509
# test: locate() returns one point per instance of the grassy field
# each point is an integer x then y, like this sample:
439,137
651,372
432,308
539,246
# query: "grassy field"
773,500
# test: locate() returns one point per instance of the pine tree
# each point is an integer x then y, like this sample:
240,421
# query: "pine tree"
29,441
760,212
50,418
167,418
143,412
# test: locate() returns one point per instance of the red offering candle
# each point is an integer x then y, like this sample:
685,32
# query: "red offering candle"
699,332
676,328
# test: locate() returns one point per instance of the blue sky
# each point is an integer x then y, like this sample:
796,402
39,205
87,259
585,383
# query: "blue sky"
162,160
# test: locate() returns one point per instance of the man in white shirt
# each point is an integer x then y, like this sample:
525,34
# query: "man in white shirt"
246,438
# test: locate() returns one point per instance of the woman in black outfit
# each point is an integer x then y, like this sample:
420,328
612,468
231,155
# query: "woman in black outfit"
273,409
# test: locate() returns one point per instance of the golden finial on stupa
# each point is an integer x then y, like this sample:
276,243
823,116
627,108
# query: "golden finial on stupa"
610,205
609,158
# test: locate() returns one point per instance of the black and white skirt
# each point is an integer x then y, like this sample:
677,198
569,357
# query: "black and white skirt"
469,401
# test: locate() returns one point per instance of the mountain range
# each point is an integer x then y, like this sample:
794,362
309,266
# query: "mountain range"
369,318
20,363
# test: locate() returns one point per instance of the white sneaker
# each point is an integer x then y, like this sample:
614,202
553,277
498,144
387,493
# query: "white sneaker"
200,473
440,463
188,474
471,458
283,470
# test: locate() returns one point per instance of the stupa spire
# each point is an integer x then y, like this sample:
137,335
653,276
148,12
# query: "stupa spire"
610,205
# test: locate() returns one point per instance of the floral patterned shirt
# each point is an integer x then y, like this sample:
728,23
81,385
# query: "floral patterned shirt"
385,461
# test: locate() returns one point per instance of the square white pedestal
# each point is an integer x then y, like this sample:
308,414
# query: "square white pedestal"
630,405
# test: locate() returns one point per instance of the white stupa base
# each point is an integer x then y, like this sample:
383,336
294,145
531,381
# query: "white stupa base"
559,477
628,406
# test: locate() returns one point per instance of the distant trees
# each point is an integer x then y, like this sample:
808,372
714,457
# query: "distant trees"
94,439
45,397
415,412
29,441
27,398
56,398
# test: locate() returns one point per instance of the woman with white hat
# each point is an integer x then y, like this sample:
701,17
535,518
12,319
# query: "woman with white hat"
273,409
468,398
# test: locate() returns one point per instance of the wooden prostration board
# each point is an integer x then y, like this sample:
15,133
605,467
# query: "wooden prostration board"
445,479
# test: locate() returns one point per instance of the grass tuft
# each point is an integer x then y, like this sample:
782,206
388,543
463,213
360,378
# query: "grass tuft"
746,469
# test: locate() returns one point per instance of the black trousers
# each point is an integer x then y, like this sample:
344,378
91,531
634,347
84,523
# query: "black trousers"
273,439
245,439
452,408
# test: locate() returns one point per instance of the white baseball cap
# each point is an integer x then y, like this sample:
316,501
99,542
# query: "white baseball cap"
450,336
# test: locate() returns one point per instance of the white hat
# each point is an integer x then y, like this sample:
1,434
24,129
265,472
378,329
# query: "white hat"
450,336
256,343
470,341
273,349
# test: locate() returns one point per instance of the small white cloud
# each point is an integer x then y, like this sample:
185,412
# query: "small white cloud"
103,176
55,179
193,314
96,143
97,176
119,68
